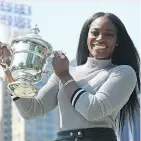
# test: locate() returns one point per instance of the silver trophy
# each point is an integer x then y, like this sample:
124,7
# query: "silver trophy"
30,55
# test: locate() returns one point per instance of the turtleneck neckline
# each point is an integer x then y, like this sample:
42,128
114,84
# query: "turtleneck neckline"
93,62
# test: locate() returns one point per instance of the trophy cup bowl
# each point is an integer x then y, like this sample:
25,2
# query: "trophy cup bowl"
30,55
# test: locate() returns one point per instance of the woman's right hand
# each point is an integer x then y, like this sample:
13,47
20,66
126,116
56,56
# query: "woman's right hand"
8,76
5,58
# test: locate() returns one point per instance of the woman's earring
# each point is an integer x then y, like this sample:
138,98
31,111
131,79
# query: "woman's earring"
116,44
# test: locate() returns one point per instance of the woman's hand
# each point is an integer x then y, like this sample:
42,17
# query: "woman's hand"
9,76
5,56
7,73
60,64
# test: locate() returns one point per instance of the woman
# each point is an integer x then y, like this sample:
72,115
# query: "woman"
99,92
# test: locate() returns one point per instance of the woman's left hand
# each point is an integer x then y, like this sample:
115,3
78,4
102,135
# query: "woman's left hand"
60,64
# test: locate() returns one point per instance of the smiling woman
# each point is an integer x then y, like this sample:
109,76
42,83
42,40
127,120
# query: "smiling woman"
96,94
102,38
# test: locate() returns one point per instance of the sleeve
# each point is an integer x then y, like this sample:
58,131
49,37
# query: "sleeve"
45,101
114,93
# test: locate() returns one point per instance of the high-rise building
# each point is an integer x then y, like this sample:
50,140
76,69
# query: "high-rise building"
5,100
16,21
39,129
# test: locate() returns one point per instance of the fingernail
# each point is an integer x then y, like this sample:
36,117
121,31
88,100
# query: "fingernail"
62,56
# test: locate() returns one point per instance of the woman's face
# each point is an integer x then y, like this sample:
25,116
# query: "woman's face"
102,38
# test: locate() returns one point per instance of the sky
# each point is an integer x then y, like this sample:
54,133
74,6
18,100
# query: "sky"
60,21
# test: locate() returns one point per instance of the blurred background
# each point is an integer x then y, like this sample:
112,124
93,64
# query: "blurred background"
60,23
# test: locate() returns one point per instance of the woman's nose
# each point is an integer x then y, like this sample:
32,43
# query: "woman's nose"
100,37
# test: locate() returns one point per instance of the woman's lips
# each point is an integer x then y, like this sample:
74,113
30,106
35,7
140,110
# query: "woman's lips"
99,46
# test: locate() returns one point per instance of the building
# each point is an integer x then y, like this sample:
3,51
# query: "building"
5,100
39,129
15,21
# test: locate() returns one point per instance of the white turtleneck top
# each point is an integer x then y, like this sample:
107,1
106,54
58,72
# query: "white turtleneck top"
107,88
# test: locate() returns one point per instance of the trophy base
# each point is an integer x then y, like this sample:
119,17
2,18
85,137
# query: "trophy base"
22,89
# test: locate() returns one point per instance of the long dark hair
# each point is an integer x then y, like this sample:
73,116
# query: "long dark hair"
124,54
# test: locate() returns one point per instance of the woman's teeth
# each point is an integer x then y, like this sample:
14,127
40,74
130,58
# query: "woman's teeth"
99,47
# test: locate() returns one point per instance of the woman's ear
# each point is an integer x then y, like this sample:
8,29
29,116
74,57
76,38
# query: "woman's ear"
117,42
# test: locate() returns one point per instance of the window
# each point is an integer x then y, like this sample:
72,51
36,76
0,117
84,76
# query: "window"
29,134
39,136
50,136
49,128
49,120
38,128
